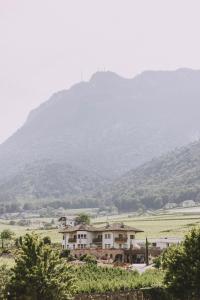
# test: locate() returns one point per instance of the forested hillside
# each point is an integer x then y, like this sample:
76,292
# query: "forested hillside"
47,181
174,177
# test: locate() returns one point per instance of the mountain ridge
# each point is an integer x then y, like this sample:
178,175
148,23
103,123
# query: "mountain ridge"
172,177
108,125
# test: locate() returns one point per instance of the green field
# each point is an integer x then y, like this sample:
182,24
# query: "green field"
171,223
21,230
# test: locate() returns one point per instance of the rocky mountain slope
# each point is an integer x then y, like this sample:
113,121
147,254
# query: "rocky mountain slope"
106,126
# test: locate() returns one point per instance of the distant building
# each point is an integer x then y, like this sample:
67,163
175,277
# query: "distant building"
161,243
67,221
170,205
188,203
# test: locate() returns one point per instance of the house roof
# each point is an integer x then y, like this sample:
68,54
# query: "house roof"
108,227
80,227
120,227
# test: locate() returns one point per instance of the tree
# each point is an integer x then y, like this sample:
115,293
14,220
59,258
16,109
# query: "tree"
39,273
47,240
182,266
6,235
83,219
4,281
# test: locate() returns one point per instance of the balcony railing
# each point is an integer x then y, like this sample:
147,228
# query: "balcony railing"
72,240
121,239
97,240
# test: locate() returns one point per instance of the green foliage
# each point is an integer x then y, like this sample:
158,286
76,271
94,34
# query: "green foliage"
65,253
83,218
88,258
47,240
157,261
5,274
6,235
182,266
39,273
92,278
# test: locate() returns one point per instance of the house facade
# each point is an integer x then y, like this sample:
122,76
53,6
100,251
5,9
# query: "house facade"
111,236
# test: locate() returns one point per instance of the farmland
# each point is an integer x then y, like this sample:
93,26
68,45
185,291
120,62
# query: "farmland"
162,223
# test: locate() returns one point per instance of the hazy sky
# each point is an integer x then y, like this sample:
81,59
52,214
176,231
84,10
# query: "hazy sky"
45,45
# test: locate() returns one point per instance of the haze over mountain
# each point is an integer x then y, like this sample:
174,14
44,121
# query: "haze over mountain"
173,177
105,127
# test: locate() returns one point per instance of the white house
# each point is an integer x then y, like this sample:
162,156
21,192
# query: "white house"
111,236
188,203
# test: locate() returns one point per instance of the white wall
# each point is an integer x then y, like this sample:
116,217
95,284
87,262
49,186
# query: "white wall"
109,241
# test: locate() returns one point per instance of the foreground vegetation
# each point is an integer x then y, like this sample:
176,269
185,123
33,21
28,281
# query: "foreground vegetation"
92,278
182,267
39,271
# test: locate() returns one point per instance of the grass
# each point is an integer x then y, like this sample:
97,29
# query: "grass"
158,224
173,223
22,230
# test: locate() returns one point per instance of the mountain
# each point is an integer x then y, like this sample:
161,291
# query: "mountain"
106,126
51,181
173,177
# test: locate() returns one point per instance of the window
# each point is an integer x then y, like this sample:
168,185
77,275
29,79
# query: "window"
107,236
73,246
132,236
154,244
63,237
82,236
107,246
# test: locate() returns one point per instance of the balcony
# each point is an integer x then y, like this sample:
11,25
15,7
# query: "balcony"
121,239
97,240
72,240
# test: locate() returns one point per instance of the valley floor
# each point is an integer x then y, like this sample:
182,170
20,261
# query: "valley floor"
162,223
